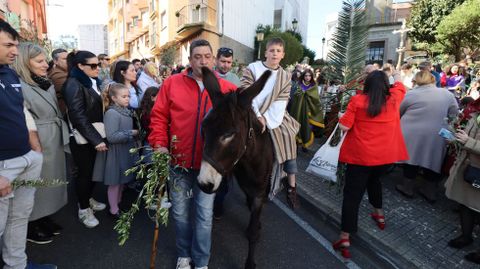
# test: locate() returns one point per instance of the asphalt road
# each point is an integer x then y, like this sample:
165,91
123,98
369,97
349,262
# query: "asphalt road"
288,240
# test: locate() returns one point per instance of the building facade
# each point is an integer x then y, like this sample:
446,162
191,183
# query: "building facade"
26,16
93,37
148,28
384,17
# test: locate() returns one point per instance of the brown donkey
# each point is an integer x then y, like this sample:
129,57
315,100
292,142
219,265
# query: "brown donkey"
235,144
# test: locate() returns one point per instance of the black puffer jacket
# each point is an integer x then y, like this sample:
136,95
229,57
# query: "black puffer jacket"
84,105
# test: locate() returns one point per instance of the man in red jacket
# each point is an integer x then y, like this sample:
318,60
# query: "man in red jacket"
181,105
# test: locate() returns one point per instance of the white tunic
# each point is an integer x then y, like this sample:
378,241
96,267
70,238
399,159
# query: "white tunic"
275,113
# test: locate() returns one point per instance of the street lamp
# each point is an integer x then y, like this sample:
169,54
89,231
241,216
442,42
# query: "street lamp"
294,24
323,45
260,35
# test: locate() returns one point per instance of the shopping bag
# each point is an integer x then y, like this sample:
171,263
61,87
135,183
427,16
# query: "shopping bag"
325,162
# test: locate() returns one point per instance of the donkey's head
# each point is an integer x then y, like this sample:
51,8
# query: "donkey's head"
226,129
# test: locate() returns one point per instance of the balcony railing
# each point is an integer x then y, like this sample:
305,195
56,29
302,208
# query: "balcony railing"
196,14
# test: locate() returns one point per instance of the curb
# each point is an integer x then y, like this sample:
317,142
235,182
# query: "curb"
368,244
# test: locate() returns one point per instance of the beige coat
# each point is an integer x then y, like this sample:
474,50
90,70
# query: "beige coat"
456,188
53,135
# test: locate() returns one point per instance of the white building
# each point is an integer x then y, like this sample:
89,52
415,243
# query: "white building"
288,10
384,17
238,31
93,37
331,23
238,21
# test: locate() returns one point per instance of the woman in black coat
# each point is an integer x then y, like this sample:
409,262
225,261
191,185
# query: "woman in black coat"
84,107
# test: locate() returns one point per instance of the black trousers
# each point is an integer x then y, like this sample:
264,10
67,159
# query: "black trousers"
468,218
411,171
84,157
359,178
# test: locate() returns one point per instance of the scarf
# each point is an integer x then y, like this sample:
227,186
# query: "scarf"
42,82
473,107
83,78
122,110
306,87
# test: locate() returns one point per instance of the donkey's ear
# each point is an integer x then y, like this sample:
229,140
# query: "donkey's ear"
210,82
246,96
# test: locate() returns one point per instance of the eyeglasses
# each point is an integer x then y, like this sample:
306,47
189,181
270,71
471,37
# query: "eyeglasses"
93,66
225,51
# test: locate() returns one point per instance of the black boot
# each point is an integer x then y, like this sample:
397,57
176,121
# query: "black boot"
460,242
49,225
406,187
429,191
37,235
473,257
292,197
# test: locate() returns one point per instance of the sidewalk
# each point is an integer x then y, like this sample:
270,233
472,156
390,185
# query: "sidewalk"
416,232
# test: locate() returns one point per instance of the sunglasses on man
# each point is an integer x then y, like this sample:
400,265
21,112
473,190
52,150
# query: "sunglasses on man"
227,52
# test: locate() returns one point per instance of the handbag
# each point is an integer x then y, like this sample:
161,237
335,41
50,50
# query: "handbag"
472,176
99,126
325,162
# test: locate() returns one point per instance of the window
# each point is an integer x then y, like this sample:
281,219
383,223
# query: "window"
277,19
145,15
375,52
163,20
153,35
135,21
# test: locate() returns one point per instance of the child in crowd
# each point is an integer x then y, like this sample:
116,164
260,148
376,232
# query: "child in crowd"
121,136
146,106
270,106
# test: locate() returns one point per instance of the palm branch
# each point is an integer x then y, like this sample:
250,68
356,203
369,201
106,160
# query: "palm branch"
349,43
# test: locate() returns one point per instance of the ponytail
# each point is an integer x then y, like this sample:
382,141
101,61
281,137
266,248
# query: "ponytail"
110,90
76,57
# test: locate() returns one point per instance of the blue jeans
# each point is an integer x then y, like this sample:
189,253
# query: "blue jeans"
192,211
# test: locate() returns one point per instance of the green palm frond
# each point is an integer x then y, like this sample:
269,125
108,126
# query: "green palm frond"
349,42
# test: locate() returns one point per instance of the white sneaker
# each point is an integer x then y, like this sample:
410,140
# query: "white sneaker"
87,218
183,263
165,203
96,206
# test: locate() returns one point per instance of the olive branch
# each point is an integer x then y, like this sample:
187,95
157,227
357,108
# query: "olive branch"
153,191
37,183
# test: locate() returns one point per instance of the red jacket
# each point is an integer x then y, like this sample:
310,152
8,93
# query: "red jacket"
378,140
178,112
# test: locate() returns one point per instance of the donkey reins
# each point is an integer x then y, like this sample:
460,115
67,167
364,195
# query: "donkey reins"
220,169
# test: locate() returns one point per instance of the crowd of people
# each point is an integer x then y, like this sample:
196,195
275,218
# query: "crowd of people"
81,113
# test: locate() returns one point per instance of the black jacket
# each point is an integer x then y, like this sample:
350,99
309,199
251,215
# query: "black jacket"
84,105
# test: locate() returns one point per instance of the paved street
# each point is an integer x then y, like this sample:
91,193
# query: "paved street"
284,244
416,232
415,237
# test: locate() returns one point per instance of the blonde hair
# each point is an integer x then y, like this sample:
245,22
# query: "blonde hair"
151,68
27,51
111,90
424,78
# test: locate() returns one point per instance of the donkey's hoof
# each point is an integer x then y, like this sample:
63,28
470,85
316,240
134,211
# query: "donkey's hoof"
250,265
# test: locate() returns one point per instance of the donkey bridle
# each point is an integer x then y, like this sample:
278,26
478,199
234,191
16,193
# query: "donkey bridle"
220,169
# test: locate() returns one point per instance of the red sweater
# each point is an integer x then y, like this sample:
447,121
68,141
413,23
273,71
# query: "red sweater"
378,140
178,111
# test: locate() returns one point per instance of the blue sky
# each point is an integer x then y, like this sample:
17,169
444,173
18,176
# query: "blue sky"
319,9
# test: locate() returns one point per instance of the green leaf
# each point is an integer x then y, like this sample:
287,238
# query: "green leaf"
349,42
